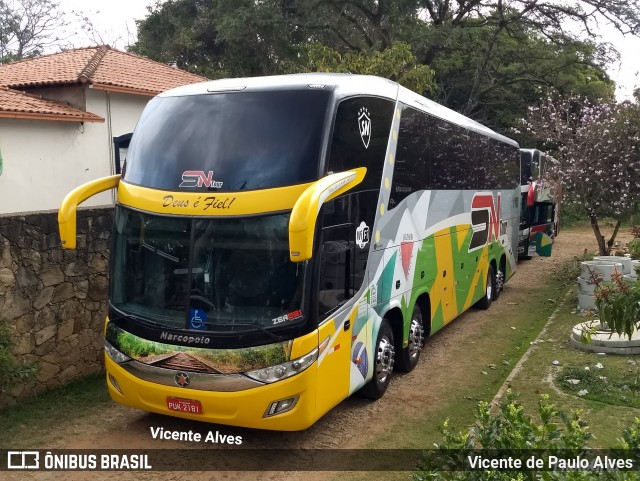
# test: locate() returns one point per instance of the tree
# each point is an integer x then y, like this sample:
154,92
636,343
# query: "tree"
491,58
217,38
396,63
96,34
356,25
523,68
549,20
28,27
596,150
486,45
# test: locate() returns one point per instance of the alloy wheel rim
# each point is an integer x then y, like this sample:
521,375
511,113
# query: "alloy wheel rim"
416,338
499,280
384,359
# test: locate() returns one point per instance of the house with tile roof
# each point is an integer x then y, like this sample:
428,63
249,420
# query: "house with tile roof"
59,115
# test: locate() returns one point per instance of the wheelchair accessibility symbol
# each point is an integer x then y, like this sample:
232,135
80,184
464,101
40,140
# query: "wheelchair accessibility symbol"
197,319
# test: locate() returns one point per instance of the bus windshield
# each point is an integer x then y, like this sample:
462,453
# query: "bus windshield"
205,274
236,141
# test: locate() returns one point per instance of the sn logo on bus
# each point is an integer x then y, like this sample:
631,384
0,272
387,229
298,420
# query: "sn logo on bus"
364,125
197,178
485,220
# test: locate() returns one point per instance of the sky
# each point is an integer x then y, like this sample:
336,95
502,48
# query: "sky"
114,20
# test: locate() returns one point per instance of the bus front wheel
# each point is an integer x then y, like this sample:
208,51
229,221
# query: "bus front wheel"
382,363
409,356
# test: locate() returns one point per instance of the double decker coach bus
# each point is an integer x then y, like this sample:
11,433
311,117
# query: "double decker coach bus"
539,206
282,242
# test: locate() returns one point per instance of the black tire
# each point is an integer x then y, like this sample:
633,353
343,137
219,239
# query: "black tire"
383,360
486,300
499,281
408,357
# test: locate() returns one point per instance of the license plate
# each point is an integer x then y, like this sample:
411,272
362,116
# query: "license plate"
190,406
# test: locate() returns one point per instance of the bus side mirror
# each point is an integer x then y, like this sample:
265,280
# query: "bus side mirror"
302,224
67,212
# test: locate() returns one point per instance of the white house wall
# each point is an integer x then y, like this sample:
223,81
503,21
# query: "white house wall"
125,109
44,160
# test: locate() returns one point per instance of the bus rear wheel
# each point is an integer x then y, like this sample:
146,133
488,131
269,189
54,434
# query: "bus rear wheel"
384,357
485,302
409,356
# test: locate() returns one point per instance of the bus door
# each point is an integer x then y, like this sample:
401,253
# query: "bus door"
335,289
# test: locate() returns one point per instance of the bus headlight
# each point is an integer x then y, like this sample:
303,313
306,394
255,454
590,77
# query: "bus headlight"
282,371
114,354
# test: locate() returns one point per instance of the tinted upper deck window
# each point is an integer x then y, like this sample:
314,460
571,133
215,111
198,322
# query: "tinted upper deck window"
360,137
228,141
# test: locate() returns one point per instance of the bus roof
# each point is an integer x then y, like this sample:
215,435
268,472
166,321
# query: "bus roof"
343,85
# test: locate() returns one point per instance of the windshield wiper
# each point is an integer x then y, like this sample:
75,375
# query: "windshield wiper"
266,331
161,253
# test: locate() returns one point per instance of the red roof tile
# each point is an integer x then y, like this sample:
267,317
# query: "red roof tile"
103,67
19,105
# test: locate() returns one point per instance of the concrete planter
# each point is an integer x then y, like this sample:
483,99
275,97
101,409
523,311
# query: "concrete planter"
625,261
605,268
585,288
586,301
635,264
604,340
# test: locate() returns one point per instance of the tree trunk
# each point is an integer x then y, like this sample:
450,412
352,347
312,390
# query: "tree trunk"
602,247
613,237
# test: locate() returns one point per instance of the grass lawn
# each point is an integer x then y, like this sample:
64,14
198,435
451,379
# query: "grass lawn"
50,411
612,382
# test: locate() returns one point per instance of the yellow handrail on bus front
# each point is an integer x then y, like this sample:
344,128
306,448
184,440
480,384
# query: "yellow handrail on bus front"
302,223
67,212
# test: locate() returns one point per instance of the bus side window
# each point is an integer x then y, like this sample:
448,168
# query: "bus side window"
411,164
360,137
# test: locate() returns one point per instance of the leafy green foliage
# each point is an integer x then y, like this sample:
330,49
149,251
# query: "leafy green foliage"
618,304
524,66
488,62
511,430
217,38
12,371
634,248
631,436
396,63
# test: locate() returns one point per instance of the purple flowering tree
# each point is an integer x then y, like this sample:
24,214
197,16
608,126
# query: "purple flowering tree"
596,150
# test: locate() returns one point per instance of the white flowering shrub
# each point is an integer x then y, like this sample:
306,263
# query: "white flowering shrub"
596,151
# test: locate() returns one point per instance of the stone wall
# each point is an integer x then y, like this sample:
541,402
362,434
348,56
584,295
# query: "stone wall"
55,300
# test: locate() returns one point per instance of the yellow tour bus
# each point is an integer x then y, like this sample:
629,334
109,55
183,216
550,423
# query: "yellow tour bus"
282,242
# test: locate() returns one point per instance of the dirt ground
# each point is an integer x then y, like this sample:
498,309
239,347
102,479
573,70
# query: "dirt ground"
352,424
